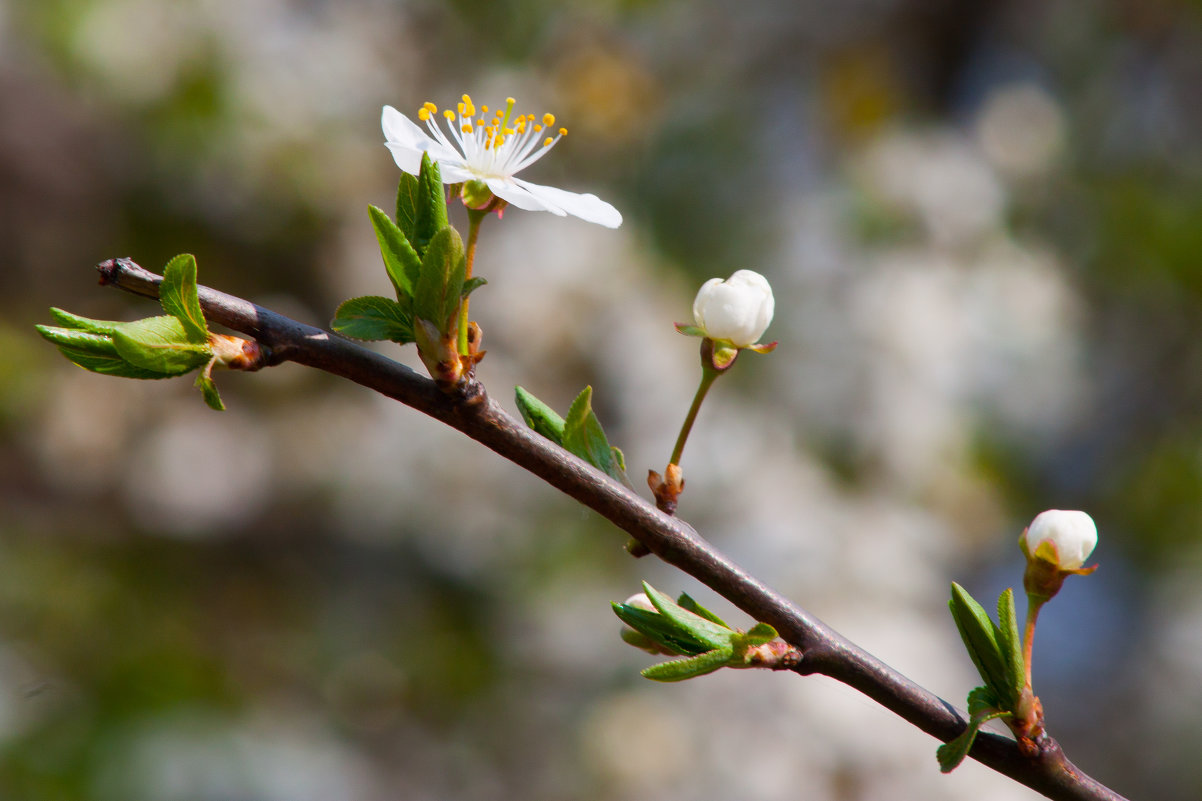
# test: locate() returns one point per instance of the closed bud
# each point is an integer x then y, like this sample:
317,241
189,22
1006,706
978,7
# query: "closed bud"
737,309
1071,534
1056,545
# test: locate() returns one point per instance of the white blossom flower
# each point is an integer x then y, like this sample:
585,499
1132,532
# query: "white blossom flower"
1073,533
737,309
490,150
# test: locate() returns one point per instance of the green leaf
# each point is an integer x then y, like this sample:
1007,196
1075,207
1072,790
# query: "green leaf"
979,635
539,416
690,330
471,285
160,344
438,293
79,340
95,352
760,634
619,461
685,601
953,752
208,391
69,320
706,631
660,630
1011,648
375,318
584,437
431,205
690,667
406,206
982,701
401,261
178,296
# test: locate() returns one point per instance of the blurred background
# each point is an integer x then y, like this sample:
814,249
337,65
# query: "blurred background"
983,224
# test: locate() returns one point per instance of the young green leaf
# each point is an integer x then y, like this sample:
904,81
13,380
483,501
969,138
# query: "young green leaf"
690,667
373,318
431,204
760,634
584,437
1011,647
401,261
406,207
619,463
69,320
177,294
95,352
660,630
983,701
979,635
208,391
159,344
953,752
686,602
981,710
706,631
438,293
539,416
471,285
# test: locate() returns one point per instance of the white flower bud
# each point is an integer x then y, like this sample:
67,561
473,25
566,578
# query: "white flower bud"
738,309
640,601
1073,533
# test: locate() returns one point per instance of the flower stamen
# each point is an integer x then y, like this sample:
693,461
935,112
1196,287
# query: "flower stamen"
492,146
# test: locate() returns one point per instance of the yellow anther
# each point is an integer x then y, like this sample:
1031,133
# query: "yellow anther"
430,107
563,131
548,120
466,127
423,114
547,142
450,115
538,128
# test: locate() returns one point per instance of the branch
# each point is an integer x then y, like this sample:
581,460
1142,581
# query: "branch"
472,412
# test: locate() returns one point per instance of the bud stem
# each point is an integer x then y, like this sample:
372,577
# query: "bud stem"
474,218
1034,604
708,376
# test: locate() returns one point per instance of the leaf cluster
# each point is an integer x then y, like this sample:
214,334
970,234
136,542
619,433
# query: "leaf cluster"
169,345
579,433
425,260
687,629
996,651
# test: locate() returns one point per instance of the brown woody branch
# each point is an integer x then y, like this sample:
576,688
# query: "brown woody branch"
472,412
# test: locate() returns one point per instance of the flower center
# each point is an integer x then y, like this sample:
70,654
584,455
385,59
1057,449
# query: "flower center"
495,145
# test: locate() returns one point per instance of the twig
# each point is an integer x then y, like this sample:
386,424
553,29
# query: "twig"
472,412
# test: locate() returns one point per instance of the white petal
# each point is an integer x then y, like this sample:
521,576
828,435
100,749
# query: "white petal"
700,301
517,193
407,141
404,139
453,171
589,208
